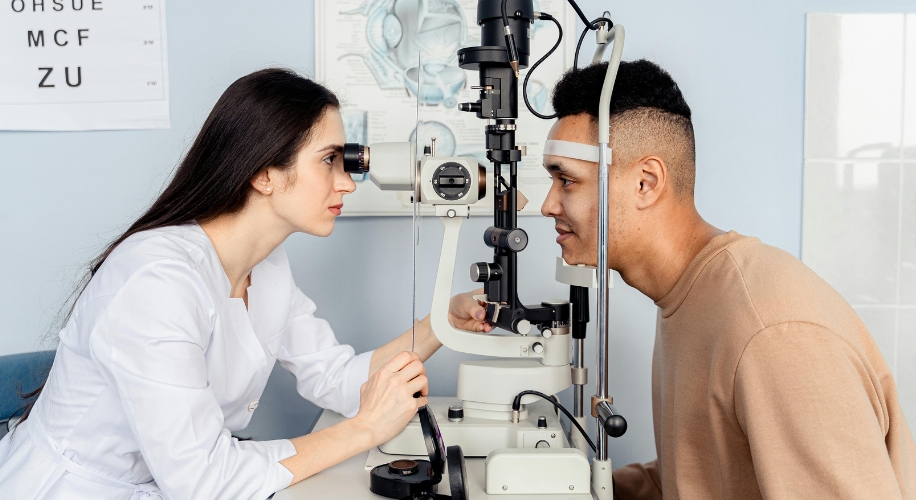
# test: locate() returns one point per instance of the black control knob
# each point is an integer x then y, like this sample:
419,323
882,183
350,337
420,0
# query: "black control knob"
455,413
451,181
482,272
542,422
613,423
615,426
470,107
513,239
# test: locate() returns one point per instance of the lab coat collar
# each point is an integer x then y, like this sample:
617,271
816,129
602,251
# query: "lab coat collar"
270,291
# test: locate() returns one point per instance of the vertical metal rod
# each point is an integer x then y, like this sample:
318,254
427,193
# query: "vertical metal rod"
512,299
602,332
579,390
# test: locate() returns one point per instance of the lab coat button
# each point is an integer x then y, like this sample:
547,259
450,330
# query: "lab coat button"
252,405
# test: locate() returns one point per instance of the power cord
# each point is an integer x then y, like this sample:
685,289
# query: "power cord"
517,404
589,27
546,17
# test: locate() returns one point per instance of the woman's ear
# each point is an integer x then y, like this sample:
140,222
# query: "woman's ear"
653,178
262,182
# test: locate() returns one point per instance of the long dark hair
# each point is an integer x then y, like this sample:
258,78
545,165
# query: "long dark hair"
260,121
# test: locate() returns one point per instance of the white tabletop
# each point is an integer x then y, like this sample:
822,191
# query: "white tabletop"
349,480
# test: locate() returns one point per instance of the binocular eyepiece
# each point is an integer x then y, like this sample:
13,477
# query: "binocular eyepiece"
355,158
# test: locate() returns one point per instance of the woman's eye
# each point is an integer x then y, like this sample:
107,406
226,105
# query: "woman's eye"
330,159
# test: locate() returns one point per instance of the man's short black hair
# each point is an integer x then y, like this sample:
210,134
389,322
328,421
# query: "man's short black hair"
639,84
649,115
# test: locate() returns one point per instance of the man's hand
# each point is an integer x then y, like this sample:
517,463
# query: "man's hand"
468,314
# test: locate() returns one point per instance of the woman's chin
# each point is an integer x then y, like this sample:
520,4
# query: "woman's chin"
322,230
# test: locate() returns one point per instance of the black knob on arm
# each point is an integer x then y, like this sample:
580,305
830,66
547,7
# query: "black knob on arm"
614,423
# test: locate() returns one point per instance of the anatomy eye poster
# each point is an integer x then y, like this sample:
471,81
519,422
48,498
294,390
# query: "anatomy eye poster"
394,64
83,65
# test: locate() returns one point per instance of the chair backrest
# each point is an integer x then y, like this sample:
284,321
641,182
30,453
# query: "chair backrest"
21,373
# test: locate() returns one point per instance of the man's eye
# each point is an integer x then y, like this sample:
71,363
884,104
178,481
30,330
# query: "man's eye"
566,182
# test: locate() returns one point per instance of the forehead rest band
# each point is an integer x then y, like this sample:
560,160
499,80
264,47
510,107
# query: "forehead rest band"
574,150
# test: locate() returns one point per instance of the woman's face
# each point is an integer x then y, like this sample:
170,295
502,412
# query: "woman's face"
309,195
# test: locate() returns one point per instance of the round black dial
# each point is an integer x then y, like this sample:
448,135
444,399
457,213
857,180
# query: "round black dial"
451,181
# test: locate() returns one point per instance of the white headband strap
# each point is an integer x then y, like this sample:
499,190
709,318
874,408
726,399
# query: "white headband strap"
575,150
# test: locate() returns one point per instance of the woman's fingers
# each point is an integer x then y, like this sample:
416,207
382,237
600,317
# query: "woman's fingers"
399,361
412,370
419,384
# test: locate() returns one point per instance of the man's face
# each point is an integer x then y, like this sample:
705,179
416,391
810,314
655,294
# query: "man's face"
573,197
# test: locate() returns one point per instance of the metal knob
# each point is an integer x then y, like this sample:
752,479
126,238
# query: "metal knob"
542,422
482,272
538,347
455,413
513,239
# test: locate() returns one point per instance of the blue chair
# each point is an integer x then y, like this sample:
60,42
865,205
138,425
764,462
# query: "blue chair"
21,373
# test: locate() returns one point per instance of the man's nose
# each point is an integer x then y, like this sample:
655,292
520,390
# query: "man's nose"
551,206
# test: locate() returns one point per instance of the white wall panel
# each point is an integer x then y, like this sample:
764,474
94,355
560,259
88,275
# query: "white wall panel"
859,209
906,364
907,236
854,85
909,97
850,227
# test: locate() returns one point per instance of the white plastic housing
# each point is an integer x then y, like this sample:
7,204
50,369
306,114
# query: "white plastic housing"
579,275
498,380
392,165
478,436
538,471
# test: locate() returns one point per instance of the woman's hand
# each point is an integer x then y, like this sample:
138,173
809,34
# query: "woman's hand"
386,400
465,313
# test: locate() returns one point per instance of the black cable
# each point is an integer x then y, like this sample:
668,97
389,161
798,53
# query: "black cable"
505,17
517,404
547,17
581,14
589,27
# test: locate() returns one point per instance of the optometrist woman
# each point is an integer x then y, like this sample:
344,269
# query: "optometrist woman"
168,347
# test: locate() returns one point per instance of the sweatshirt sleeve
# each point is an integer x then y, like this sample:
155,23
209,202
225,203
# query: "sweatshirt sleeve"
638,482
150,346
814,420
327,373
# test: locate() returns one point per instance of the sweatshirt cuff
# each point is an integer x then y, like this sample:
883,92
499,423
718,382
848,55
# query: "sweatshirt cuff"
278,477
358,374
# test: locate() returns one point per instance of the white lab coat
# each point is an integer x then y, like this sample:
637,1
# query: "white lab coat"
156,368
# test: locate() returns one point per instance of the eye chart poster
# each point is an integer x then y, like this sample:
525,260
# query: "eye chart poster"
83,65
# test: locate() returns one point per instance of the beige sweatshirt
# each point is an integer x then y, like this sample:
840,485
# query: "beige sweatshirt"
765,384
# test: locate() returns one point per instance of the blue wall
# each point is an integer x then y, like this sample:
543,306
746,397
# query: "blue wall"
740,65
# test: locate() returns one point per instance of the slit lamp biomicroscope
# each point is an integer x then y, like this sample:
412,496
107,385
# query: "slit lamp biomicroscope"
499,412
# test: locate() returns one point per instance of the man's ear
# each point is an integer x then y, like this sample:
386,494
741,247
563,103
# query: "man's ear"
653,180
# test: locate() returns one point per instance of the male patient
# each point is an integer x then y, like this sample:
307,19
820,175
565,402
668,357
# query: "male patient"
765,383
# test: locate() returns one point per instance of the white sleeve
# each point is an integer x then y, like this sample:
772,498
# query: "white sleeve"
327,373
150,346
